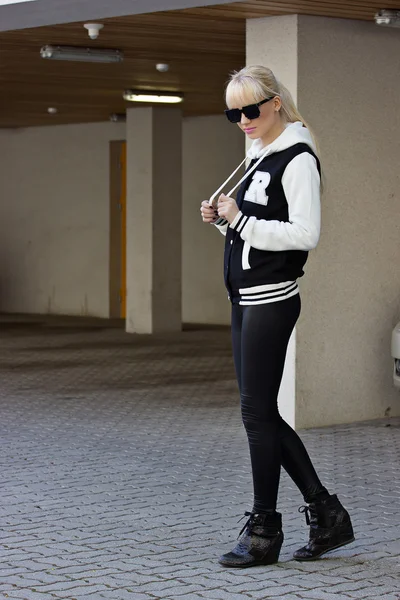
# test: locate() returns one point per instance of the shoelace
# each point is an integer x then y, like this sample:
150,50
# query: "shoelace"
306,511
249,521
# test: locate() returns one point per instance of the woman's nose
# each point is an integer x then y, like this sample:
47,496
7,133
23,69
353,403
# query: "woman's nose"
244,120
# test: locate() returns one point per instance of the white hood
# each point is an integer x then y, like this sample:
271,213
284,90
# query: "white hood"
294,133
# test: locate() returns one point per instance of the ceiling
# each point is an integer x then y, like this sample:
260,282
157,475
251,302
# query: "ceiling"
21,14
202,45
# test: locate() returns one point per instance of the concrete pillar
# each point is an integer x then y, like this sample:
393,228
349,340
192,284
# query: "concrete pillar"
154,198
272,42
344,76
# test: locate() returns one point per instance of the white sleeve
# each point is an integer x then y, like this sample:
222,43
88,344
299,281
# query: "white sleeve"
222,228
301,184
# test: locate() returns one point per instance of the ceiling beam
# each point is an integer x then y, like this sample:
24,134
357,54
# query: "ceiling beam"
17,14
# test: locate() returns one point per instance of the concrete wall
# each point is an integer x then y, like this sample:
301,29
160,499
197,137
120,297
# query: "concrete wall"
349,88
54,217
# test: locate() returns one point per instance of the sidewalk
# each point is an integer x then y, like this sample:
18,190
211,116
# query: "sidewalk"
125,471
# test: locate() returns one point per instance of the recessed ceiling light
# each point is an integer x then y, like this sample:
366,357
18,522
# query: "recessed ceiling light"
162,67
152,96
52,110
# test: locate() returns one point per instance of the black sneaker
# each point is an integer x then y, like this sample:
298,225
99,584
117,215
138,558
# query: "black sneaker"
260,543
330,528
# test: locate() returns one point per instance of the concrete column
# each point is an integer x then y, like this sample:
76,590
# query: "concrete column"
272,42
344,76
154,198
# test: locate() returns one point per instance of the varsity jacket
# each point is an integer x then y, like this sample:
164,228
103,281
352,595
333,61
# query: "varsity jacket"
267,244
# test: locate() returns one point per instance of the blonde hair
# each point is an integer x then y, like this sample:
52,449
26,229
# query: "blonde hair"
258,82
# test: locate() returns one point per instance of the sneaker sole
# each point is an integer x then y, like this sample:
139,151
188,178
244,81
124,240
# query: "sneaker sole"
325,551
255,564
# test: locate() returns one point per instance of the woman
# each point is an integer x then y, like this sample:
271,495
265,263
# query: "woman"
269,230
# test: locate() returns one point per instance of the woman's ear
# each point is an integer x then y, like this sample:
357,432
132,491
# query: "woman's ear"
277,103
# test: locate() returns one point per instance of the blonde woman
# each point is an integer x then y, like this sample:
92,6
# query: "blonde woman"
268,231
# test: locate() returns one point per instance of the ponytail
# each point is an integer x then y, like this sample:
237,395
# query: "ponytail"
291,113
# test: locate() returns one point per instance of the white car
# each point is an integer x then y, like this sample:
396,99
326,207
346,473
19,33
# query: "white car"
396,354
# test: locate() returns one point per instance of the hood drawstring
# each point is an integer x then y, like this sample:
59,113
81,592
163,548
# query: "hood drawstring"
221,220
293,133
212,198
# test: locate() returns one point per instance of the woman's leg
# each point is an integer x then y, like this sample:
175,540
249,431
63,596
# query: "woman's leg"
261,538
298,465
236,331
262,333
266,329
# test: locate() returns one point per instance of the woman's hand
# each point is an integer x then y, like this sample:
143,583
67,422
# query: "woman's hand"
208,213
227,208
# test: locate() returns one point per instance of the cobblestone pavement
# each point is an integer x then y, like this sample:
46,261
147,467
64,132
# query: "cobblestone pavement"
125,470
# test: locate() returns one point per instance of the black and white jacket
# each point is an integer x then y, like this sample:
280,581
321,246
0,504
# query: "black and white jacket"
279,220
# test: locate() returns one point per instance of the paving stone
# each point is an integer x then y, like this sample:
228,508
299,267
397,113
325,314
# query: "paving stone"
119,594
222,595
373,592
125,470
321,595
26,594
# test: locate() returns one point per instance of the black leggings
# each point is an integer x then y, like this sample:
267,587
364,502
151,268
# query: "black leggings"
260,336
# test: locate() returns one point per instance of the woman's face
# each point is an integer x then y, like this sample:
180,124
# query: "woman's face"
266,125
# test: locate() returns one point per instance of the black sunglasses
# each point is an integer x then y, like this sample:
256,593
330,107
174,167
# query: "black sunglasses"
251,111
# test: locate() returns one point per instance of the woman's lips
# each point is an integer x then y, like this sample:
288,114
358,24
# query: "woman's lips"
249,129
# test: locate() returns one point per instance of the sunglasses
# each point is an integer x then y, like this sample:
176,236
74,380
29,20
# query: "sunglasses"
234,115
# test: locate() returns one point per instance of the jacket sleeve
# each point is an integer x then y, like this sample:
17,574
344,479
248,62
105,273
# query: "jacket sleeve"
301,184
222,228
